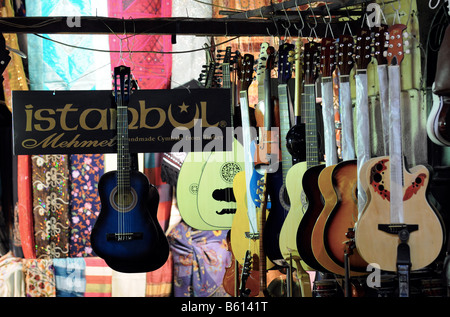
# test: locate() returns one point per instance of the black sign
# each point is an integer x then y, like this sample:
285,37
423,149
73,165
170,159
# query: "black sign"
84,121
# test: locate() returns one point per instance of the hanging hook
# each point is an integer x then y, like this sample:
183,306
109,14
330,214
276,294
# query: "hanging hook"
286,28
397,11
300,30
312,29
328,23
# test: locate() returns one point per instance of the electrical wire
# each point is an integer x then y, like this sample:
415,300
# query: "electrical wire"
139,51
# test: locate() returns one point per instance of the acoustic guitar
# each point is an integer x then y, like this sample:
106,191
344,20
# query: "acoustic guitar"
333,232
216,204
245,234
312,203
398,214
276,185
127,234
191,169
296,144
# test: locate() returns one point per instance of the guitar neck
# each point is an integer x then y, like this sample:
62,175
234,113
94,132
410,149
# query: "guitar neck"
284,127
123,155
312,152
248,160
262,255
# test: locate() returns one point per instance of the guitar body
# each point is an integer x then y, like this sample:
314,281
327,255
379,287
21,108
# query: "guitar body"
437,128
240,226
187,190
343,216
376,246
216,203
229,278
294,187
145,248
330,199
315,207
276,217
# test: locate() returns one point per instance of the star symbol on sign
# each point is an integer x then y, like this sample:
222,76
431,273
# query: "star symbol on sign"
183,108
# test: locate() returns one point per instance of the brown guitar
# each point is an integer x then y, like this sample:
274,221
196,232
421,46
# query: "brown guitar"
331,239
398,208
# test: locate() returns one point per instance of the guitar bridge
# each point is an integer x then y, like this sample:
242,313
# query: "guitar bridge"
253,236
125,236
396,228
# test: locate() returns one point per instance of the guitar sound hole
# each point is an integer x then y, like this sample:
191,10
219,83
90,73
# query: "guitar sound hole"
123,201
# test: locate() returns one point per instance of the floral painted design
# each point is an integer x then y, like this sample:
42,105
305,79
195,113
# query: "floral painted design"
85,172
39,278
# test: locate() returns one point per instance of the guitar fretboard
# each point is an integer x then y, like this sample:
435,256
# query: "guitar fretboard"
284,128
123,155
312,153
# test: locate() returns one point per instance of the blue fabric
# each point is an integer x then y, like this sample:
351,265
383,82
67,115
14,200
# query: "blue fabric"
53,66
70,277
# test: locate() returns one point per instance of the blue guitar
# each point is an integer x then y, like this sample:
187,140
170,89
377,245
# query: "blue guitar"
127,234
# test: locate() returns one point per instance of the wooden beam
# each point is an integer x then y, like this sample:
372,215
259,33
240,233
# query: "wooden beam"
164,26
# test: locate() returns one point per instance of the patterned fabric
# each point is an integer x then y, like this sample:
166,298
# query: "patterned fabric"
39,278
86,171
151,70
70,278
98,278
152,169
56,67
200,259
12,283
51,205
159,282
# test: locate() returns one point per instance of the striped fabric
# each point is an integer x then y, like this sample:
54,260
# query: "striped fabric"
98,278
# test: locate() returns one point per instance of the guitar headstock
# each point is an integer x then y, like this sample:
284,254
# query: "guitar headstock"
381,43
262,62
395,51
122,83
327,57
227,56
363,48
298,55
286,53
246,70
270,58
309,62
344,58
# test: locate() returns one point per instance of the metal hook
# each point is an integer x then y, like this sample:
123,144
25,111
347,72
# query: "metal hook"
300,30
286,28
314,16
328,23
312,29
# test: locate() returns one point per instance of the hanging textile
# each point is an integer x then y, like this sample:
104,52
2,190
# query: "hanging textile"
98,278
39,278
128,284
14,79
57,67
151,70
12,283
85,173
199,259
159,282
51,205
70,278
